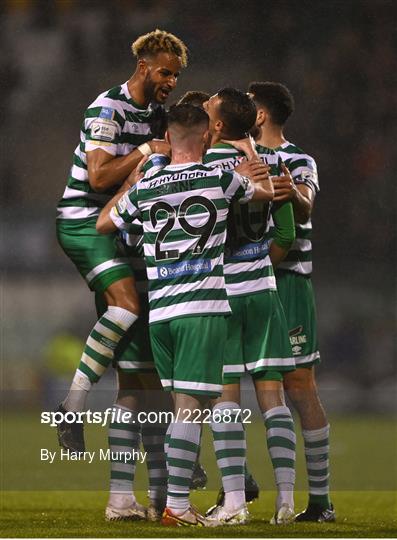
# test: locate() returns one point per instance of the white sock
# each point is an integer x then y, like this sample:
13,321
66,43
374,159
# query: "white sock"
234,500
285,495
77,396
121,499
178,505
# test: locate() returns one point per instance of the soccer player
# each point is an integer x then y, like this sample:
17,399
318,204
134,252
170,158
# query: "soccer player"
115,134
257,339
184,211
194,97
275,104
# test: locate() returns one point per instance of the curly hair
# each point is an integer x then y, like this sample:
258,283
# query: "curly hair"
158,41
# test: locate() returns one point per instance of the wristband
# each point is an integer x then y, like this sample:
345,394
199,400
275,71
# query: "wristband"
145,149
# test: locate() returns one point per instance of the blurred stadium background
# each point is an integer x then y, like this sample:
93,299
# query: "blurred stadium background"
339,60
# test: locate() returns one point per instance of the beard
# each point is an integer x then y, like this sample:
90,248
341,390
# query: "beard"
149,89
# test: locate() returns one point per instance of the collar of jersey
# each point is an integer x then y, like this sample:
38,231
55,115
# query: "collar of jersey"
223,145
183,165
128,96
284,145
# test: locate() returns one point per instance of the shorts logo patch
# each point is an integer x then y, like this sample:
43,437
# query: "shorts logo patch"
296,339
103,130
185,268
107,112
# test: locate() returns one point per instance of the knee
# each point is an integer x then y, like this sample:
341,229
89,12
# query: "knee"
299,384
123,294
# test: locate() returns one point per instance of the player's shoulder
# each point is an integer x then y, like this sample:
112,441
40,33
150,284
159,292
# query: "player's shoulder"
111,103
220,151
301,165
292,152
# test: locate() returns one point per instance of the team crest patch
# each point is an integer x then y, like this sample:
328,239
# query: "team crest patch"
107,113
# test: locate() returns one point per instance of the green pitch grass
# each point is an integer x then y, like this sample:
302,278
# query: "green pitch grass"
68,499
81,514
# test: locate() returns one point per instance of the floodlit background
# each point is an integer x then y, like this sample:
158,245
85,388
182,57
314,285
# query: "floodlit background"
339,60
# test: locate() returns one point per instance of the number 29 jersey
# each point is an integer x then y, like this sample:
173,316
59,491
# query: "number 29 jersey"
184,211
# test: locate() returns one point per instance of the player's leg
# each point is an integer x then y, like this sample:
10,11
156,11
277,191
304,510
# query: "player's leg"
229,437
268,355
281,441
302,391
124,437
188,356
158,406
230,450
97,259
297,296
140,386
122,311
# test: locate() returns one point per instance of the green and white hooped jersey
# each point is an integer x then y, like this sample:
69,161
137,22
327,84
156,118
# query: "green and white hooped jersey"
132,237
184,212
304,171
115,124
248,268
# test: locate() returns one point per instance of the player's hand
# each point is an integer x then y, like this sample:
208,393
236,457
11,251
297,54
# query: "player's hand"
254,169
246,145
159,146
284,186
136,174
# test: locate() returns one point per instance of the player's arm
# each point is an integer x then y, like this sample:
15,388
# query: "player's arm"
105,170
258,174
117,213
283,217
246,145
105,224
300,195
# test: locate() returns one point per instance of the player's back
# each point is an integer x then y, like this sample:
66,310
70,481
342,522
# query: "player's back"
248,267
184,211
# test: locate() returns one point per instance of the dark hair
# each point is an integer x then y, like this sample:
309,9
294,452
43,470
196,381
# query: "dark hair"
194,97
187,115
237,111
276,98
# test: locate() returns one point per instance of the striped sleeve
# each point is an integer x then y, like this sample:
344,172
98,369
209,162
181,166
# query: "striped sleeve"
126,210
103,125
236,187
304,171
